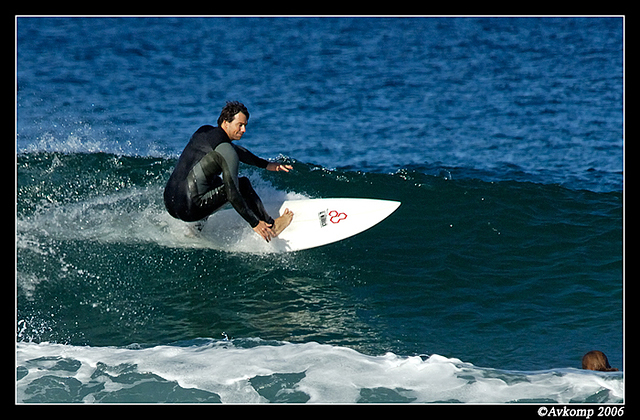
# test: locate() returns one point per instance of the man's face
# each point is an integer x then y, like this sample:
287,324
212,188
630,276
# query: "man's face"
236,128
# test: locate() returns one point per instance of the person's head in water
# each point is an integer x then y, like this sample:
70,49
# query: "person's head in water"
233,119
596,360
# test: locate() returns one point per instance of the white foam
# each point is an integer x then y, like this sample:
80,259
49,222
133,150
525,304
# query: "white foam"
137,214
331,374
82,137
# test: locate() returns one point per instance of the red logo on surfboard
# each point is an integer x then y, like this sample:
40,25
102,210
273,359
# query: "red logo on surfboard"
336,217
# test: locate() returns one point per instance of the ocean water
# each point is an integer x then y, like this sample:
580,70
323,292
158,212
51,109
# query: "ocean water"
502,138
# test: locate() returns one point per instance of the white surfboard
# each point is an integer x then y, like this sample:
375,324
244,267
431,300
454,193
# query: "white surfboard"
316,222
322,221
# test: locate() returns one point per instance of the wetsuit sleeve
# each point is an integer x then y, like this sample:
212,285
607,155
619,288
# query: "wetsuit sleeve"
229,165
249,158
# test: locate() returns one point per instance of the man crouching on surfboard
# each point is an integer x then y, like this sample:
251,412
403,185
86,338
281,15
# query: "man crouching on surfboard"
194,190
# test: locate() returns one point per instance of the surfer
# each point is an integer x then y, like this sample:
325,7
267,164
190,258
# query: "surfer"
195,190
597,360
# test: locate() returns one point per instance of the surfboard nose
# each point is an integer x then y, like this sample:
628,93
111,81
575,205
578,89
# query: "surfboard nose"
322,221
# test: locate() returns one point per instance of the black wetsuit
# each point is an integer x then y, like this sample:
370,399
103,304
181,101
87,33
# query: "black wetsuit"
195,189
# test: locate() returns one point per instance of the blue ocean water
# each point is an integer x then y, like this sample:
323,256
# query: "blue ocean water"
502,137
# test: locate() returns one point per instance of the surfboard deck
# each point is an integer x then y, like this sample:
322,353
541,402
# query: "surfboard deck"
322,221
316,222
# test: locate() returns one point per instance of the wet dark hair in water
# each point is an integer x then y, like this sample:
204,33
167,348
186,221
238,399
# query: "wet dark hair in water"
597,360
230,110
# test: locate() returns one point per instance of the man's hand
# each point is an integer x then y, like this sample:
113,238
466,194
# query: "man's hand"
277,167
264,229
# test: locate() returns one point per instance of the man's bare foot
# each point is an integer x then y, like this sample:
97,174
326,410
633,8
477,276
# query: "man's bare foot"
282,222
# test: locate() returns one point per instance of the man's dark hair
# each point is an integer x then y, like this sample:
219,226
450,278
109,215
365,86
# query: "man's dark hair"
230,110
